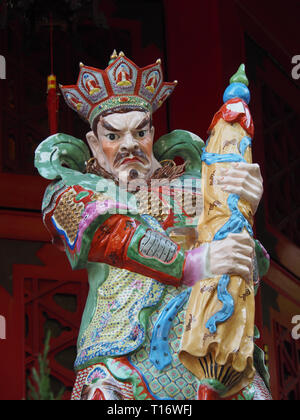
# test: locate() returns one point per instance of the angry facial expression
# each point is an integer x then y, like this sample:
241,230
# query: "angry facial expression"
124,143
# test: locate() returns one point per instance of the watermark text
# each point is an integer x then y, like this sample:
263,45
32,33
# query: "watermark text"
296,329
2,67
137,197
296,68
2,328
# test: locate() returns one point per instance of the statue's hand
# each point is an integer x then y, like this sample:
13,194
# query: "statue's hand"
233,255
243,179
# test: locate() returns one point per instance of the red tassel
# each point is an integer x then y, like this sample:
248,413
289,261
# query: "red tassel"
52,104
52,96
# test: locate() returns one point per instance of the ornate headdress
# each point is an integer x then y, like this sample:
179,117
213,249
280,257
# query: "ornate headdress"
122,83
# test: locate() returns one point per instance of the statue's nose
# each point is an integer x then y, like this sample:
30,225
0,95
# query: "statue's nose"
129,143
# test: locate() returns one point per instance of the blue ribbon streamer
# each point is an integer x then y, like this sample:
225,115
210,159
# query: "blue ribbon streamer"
210,158
228,305
245,142
236,223
160,354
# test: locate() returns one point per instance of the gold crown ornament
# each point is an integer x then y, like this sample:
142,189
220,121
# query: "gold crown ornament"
122,83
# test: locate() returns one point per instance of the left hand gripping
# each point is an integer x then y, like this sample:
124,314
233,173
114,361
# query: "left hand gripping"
243,179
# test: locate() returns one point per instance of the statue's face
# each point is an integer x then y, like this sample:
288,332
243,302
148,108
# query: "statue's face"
124,145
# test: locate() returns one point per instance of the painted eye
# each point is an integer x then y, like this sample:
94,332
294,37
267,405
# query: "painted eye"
111,136
141,133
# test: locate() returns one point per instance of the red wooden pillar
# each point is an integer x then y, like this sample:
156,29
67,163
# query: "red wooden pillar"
205,47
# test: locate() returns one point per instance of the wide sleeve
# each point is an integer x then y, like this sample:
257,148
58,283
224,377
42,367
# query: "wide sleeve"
93,227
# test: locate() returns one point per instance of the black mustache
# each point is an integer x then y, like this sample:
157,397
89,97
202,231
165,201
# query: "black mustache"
136,153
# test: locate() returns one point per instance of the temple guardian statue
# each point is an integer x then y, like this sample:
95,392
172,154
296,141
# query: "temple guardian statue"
172,263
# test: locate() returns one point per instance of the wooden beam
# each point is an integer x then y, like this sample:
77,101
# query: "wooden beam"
20,225
22,191
283,282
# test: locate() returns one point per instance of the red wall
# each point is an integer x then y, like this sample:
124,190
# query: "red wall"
204,47
12,357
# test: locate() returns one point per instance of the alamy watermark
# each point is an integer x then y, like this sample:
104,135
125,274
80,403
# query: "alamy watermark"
2,328
2,67
137,196
296,68
296,329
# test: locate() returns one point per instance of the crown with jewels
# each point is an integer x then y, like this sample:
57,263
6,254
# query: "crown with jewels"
122,83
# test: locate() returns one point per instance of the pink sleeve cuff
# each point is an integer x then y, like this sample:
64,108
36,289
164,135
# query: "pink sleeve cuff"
196,265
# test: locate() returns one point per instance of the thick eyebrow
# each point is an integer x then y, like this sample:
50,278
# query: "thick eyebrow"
143,123
109,127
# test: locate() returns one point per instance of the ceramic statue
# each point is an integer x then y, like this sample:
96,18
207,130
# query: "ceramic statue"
172,263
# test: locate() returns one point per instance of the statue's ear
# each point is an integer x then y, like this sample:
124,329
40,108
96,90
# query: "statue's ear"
152,130
93,142
96,148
